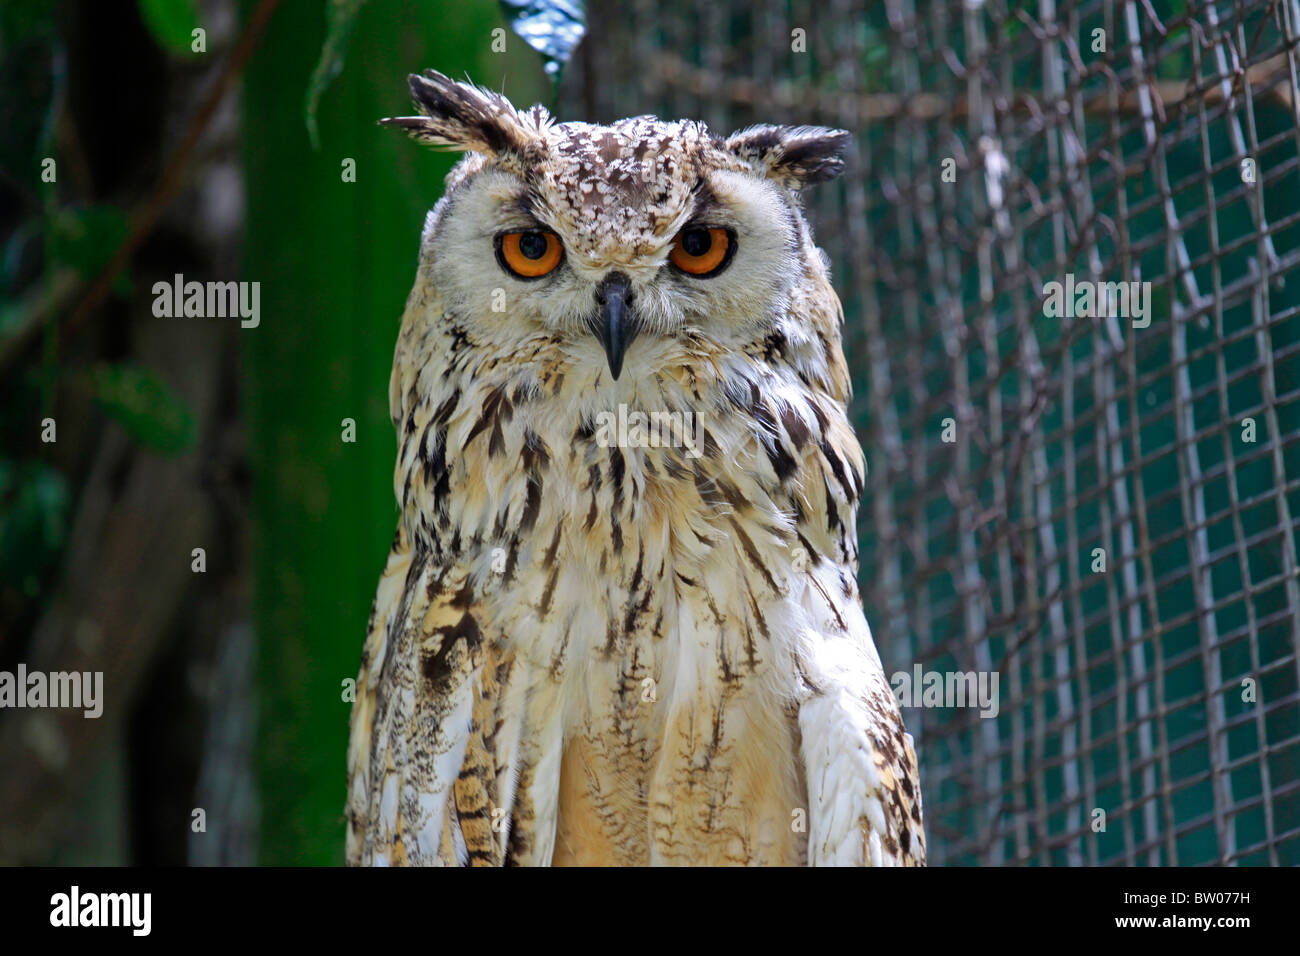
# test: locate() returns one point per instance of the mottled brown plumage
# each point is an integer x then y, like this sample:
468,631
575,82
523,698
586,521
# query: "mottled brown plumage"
591,645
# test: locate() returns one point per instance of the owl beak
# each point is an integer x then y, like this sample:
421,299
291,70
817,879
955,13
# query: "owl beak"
615,325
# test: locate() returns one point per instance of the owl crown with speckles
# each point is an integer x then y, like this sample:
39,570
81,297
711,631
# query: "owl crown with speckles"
613,205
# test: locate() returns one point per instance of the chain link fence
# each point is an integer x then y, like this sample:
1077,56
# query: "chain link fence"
1085,488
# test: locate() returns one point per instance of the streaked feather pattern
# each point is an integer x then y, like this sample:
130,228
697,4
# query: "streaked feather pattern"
584,652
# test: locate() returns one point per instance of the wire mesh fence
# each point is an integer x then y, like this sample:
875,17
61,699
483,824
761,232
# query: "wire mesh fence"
1067,247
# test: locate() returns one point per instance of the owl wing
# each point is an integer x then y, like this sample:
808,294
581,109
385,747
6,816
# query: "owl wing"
864,791
422,773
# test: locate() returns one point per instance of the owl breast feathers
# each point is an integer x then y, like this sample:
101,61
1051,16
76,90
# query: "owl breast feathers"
620,623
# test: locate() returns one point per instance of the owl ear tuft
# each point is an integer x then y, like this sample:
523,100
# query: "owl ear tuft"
795,155
461,116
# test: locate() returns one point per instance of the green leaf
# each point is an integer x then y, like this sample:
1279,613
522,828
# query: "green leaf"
172,22
553,28
86,239
341,16
144,405
34,503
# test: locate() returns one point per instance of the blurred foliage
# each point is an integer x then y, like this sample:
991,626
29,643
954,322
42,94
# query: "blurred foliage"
38,241
50,235
336,260
340,16
29,51
171,22
33,523
141,402
86,239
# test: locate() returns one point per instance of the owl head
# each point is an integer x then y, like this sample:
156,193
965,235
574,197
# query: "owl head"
617,242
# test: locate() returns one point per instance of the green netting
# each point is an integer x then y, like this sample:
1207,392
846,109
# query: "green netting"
1000,148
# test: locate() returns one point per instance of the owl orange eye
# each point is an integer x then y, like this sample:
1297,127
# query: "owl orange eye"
531,254
701,251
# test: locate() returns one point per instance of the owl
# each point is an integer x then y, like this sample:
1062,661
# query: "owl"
620,623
